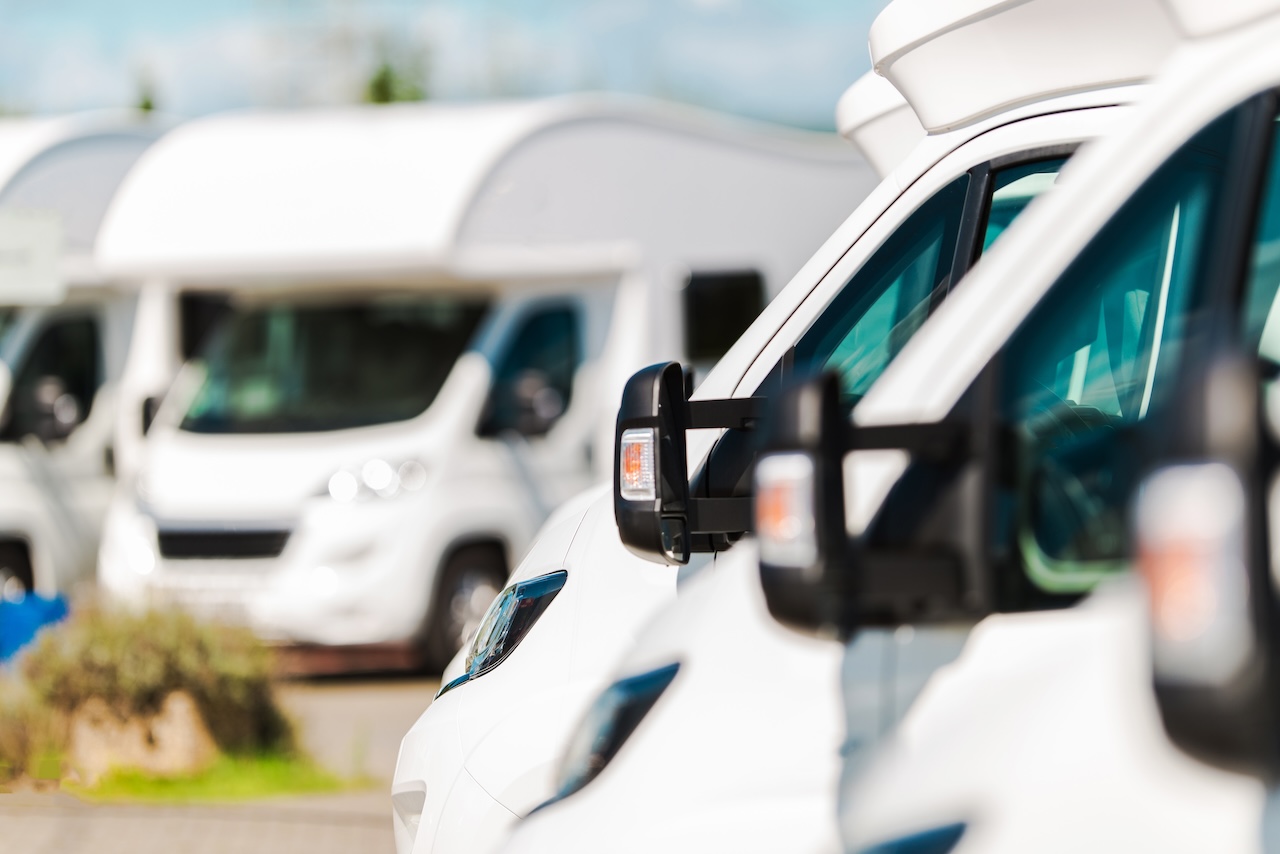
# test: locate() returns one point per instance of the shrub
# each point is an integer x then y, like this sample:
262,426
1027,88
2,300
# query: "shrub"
32,738
134,660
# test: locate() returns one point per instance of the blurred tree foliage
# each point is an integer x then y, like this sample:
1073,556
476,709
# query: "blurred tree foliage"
134,660
146,94
394,81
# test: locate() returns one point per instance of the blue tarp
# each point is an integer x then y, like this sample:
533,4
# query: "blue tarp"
20,621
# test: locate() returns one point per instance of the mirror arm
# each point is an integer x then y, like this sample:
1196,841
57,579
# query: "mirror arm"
720,515
938,442
736,413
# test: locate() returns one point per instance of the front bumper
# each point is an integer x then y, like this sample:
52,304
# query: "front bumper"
348,579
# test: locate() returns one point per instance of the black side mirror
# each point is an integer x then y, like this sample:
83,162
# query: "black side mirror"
58,411
150,406
650,479
799,509
819,579
655,513
1204,553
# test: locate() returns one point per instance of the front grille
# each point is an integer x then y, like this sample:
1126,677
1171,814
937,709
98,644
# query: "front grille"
221,544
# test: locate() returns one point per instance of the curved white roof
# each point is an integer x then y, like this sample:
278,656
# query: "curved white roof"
957,61
57,176
71,164
1200,18
401,188
874,116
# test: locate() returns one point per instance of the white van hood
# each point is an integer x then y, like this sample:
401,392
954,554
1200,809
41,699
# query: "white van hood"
208,479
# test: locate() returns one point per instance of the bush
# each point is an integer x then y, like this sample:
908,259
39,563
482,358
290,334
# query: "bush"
134,660
31,737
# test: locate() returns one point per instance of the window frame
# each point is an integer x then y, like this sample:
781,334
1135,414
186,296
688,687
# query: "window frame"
969,238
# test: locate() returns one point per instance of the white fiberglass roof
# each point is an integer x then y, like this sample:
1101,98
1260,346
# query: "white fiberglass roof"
70,166
957,61
874,116
397,188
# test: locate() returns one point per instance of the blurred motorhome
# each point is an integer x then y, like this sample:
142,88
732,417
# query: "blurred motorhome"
427,316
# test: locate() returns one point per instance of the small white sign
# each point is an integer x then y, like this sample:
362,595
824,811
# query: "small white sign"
30,257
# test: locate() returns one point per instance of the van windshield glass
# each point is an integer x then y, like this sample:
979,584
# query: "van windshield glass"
306,366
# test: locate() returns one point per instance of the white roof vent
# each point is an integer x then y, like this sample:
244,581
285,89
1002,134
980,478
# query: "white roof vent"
959,61
879,122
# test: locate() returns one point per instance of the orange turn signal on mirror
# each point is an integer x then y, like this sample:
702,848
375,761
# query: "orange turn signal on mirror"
784,510
1190,527
637,466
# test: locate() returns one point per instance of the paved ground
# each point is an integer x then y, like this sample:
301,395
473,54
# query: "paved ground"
352,727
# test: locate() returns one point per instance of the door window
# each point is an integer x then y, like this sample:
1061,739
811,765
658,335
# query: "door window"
888,299
718,308
1085,378
55,386
891,296
533,383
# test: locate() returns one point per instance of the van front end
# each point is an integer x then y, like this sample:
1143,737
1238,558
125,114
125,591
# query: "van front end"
273,537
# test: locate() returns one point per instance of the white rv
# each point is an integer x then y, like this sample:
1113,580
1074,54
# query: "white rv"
428,314
64,338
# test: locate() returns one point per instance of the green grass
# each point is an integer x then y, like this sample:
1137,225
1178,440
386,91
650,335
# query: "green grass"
228,779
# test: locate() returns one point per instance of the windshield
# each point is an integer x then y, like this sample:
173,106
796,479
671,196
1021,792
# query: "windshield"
305,367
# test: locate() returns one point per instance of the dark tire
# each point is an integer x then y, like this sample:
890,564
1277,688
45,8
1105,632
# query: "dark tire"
16,576
470,579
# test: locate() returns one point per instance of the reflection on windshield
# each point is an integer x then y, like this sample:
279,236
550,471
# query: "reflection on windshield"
283,368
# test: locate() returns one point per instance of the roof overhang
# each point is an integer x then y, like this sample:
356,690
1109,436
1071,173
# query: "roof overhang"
959,61
485,268
874,116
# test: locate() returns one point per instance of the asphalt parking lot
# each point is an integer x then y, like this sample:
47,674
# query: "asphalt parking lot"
352,727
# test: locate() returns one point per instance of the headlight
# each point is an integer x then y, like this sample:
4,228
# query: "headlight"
506,623
377,478
609,722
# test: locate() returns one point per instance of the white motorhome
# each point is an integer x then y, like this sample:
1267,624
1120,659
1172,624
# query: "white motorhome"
855,305
65,333
428,312
1043,735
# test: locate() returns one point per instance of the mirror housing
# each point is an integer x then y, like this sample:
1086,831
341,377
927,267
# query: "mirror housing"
650,478
58,411
799,509
657,517
150,406
816,578
1202,532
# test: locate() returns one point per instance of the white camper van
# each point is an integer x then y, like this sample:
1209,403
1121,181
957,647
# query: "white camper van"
64,338
428,313
490,747
1044,734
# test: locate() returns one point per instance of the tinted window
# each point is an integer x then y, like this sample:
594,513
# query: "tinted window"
1088,372
533,382
888,299
1014,188
304,367
718,308
55,386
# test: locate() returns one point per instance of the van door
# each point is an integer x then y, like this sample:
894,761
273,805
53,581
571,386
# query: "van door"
1084,401
865,325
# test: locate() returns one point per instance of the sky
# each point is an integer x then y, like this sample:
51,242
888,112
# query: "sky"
780,60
